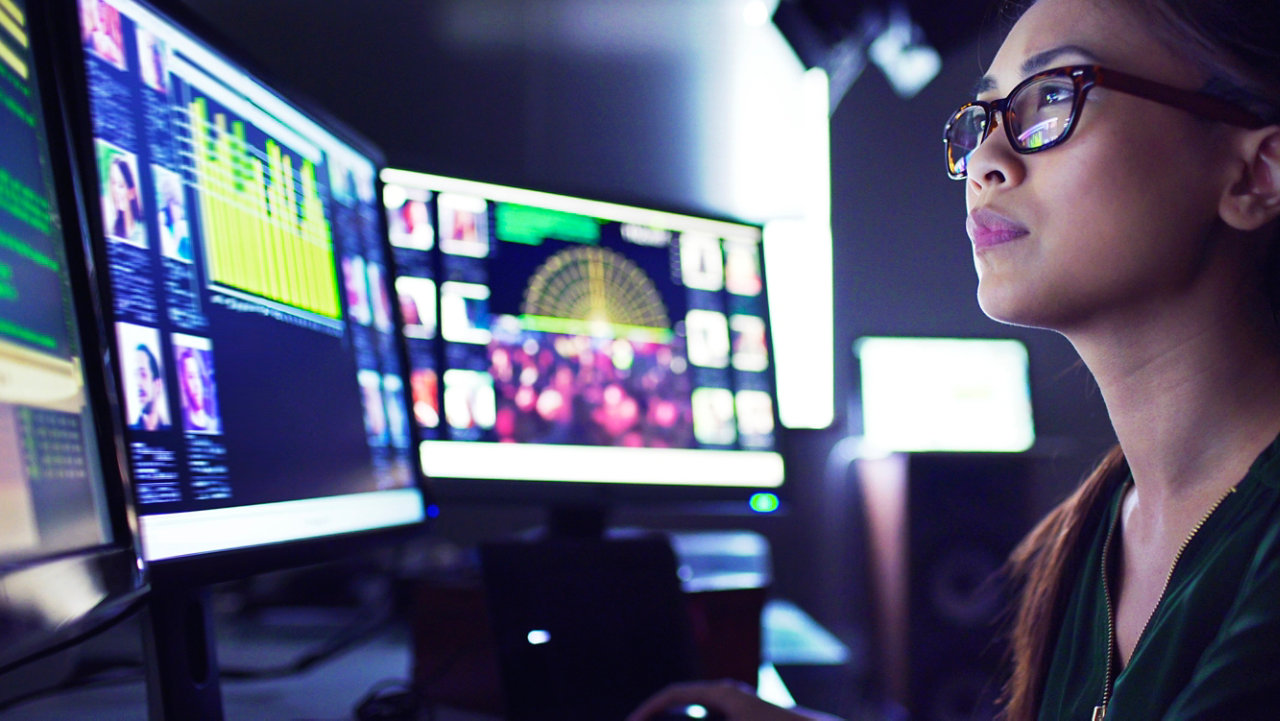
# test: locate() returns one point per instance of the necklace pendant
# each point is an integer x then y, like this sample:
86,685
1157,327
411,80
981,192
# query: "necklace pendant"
1099,712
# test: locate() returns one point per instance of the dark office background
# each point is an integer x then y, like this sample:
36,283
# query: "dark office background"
603,99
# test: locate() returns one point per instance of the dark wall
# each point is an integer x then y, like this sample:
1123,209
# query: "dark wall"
502,90
486,91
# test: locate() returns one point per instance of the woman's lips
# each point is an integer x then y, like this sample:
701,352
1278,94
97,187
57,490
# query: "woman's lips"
988,228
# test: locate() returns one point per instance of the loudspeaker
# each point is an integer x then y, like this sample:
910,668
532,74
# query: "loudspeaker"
942,527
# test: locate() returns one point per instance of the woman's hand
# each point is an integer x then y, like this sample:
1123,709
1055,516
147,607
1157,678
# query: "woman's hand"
735,701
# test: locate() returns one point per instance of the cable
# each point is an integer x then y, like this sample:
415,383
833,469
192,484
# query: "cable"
412,700
128,611
76,683
102,675
133,671
356,632
393,700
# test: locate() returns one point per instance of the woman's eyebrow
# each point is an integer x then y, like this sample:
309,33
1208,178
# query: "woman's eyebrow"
1036,63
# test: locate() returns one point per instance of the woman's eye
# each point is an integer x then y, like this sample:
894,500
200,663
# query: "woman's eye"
1053,96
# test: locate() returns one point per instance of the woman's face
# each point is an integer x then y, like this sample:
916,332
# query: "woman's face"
146,381
193,383
171,197
1115,220
121,193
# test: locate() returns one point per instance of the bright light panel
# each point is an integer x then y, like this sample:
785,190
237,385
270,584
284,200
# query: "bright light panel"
945,394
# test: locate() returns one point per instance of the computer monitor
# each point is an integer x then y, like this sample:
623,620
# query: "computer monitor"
922,394
67,561
574,350
264,402
242,243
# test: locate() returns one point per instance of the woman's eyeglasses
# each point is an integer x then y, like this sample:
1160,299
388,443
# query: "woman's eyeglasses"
1042,110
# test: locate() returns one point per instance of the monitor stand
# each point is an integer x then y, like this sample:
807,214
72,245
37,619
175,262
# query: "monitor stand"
181,655
585,627
576,521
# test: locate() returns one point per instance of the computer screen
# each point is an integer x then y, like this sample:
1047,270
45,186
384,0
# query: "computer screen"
558,339
243,241
945,394
65,553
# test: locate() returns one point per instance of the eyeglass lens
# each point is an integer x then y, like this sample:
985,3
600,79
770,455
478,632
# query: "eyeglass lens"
1038,116
1040,112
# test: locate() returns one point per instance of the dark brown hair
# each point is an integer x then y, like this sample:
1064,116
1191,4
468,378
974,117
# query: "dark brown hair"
1042,567
1237,44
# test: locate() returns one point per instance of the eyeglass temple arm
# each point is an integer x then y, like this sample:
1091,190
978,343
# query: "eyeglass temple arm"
1203,105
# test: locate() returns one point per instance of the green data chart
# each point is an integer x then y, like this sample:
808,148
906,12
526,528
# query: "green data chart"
13,46
31,302
263,220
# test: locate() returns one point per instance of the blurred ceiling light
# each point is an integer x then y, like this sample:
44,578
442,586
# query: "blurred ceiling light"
755,13
900,51
842,44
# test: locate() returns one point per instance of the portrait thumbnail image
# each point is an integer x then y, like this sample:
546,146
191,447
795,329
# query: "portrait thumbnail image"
101,32
424,386
469,399
708,338
755,413
375,412
397,413
122,217
701,262
352,181
171,218
464,225
750,348
356,282
153,61
742,268
379,297
464,312
142,374
713,422
198,390
417,305
409,217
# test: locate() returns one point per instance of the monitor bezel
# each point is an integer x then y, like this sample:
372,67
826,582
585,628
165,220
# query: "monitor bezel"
233,563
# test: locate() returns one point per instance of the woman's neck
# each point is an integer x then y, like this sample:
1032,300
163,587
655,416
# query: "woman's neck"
1192,397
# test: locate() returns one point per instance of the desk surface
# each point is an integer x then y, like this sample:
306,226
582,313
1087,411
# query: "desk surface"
329,691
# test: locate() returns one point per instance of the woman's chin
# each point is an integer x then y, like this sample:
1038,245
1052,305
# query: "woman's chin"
1013,309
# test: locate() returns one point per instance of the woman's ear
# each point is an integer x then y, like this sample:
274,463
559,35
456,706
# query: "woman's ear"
1253,200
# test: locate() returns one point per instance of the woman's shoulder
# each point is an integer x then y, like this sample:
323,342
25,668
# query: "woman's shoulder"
1265,469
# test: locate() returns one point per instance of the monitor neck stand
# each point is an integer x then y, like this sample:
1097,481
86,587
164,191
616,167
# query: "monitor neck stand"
181,655
577,521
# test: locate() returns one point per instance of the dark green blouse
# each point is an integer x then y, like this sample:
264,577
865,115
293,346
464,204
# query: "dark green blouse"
1212,649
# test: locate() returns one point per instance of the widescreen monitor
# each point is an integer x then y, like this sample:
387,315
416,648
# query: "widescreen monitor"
262,382
67,561
922,394
556,340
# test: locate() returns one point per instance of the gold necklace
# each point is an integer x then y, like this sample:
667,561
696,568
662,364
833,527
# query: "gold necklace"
1100,711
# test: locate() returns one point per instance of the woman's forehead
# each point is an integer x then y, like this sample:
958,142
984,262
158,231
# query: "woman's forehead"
1110,32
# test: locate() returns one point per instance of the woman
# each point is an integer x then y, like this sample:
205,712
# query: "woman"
196,401
175,232
126,210
1122,176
